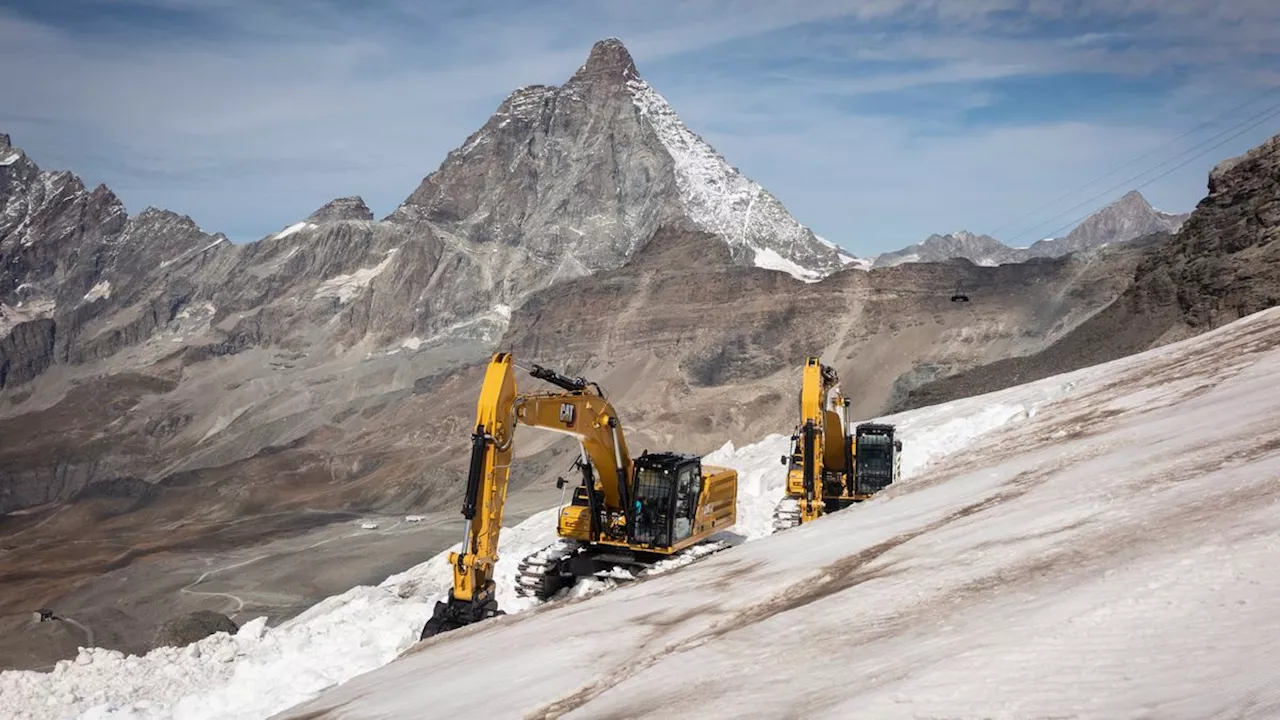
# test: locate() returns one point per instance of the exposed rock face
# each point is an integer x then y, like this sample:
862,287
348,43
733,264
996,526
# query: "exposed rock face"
695,350
1223,264
344,208
1126,219
194,627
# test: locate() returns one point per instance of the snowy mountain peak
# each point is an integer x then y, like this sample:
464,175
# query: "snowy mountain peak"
577,178
5,143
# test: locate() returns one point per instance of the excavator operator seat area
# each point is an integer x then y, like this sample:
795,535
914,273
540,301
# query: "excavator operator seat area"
875,461
665,498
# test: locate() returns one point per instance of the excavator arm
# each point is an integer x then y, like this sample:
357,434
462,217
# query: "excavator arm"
582,411
815,384
473,595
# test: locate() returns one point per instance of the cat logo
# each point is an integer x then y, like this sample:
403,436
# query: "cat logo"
566,413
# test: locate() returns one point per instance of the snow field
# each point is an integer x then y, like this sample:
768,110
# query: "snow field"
1110,550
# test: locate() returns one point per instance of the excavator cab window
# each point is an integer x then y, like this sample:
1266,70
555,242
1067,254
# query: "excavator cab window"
664,498
874,457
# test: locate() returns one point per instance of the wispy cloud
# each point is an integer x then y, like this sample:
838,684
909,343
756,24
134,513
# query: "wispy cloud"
876,122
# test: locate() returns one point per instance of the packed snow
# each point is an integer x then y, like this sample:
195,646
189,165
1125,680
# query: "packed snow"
346,286
9,157
1072,547
1097,544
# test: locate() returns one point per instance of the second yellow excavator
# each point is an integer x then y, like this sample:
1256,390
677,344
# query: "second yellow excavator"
832,464
628,512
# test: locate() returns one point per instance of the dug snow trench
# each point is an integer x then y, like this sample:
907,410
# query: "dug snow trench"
1100,543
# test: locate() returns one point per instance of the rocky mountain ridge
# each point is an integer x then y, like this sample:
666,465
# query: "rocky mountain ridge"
1125,219
559,183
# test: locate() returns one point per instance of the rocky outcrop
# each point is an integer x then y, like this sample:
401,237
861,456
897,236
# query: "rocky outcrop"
193,627
693,346
1223,264
344,208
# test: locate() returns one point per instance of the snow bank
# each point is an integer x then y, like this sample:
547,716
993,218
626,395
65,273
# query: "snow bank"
1097,544
101,290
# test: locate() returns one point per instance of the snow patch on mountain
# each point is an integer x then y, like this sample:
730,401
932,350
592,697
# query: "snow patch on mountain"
770,260
294,228
721,200
346,286
102,290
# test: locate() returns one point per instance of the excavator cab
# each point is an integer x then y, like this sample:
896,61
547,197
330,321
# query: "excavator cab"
664,498
876,458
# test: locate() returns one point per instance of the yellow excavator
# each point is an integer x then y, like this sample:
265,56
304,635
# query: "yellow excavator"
627,512
832,465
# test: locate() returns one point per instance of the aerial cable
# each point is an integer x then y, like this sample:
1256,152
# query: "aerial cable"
1264,115
1130,162
1275,112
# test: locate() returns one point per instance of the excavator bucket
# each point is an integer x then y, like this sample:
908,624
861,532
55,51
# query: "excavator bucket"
454,614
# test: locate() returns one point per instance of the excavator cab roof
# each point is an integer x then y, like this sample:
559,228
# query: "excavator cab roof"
668,461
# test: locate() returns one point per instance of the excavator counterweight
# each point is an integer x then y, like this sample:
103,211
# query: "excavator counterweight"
626,513
832,464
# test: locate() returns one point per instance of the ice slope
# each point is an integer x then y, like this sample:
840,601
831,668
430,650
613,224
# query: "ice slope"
1109,548
265,670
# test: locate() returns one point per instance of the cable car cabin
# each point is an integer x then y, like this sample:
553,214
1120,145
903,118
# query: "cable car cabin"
959,295
877,457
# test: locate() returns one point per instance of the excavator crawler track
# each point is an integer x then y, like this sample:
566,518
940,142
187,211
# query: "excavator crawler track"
786,515
545,573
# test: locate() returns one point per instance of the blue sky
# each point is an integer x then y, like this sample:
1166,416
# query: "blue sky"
876,122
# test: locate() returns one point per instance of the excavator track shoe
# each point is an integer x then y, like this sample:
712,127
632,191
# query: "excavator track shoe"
786,515
538,574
